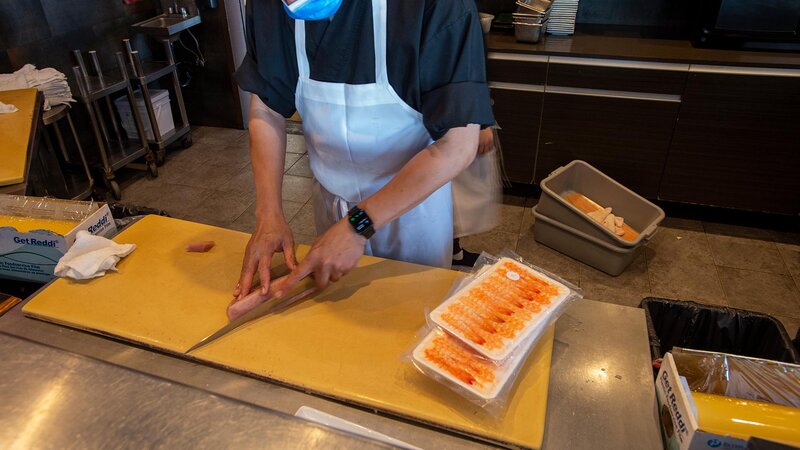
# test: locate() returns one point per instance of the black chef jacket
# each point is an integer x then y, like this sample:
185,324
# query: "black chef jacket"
434,51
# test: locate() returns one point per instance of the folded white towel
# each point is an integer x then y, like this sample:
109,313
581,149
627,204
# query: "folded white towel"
91,256
6,108
52,83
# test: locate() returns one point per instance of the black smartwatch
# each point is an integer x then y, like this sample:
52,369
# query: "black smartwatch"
360,222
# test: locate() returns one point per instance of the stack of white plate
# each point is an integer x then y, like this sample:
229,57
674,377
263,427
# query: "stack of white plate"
562,17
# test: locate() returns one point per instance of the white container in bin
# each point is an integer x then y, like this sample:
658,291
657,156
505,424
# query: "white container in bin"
579,176
601,255
161,107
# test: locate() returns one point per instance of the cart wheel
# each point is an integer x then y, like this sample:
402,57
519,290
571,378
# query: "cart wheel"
116,192
187,141
160,157
152,169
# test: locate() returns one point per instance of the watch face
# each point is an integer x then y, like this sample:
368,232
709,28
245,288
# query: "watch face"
361,222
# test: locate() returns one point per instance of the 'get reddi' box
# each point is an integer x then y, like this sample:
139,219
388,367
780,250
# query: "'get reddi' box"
32,255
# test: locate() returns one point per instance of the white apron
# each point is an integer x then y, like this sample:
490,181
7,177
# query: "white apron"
476,195
358,137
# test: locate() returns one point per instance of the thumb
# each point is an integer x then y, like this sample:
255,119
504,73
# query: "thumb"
301,271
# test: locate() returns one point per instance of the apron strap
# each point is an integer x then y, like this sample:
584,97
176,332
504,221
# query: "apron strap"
303,70
379,27
379,32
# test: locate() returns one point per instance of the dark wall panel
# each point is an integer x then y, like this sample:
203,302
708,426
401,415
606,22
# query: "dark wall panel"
645,13
65,16
22,22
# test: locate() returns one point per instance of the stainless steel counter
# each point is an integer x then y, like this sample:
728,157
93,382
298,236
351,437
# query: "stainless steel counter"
57,399
62,386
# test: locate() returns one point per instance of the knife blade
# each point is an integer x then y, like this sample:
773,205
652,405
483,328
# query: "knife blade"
302,290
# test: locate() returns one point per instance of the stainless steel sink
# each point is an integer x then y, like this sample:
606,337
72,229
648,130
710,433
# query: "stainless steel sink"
165,25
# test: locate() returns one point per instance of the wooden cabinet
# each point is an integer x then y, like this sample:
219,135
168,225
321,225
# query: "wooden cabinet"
713,135
517,111
625,137
517,87
617,75
516,68
737,143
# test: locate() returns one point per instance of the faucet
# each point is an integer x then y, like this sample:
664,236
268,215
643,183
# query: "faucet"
181,11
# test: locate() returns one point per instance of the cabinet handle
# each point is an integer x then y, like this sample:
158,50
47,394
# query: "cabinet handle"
732,70
516,86
517,57
628,95
619,63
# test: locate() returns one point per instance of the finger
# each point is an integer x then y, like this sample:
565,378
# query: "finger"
263,272
236,290
322,277
246,278
335,276
301,271
289,254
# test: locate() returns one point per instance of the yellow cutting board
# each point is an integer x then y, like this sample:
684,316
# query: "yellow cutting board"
15,130
346,342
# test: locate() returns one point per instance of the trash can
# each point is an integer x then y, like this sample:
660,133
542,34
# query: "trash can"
686,324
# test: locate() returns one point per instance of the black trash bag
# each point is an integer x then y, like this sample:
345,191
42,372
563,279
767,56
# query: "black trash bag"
125,215
797,341
122,211
674,323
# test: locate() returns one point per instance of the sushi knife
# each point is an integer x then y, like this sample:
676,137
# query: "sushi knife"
302,290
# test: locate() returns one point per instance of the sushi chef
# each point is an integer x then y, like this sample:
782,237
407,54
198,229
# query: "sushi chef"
393,95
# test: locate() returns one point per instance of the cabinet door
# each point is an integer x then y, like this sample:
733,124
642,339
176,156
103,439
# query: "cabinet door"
517,110
625,135
737,143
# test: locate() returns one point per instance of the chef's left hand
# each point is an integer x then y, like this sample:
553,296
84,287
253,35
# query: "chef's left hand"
486,141
331,257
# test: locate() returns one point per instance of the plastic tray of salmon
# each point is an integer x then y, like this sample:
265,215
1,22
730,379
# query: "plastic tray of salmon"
440,355
501,308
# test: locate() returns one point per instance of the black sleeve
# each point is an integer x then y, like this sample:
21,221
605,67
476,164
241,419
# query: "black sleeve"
453,85
269,69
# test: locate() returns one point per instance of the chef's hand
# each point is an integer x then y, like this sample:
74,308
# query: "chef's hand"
271,236
486,141
331,257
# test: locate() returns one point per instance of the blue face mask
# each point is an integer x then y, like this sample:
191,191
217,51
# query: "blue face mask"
312,9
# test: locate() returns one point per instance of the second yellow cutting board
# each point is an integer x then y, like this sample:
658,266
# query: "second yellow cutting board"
345,342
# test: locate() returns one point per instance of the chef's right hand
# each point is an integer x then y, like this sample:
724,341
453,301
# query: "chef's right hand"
271,235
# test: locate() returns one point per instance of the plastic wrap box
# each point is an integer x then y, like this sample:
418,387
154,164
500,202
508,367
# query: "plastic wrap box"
32,255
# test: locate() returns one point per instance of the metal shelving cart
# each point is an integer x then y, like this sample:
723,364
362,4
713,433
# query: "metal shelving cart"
95,90
149,72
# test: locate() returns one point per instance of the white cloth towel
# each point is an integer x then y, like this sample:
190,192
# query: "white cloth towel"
91,256
51,82
5,108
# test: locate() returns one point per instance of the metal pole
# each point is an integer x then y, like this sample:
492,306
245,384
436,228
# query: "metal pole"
99,140
148,100
176,83
101,78
135,111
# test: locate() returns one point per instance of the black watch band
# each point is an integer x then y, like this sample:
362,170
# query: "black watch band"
360,222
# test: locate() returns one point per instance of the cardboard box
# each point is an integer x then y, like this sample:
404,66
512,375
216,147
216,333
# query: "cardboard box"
679,427
712,419
32,255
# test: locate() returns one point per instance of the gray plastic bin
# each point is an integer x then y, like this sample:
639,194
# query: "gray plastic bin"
601,255
579,176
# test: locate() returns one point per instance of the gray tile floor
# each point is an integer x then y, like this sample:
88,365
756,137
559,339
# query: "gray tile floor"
743,267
